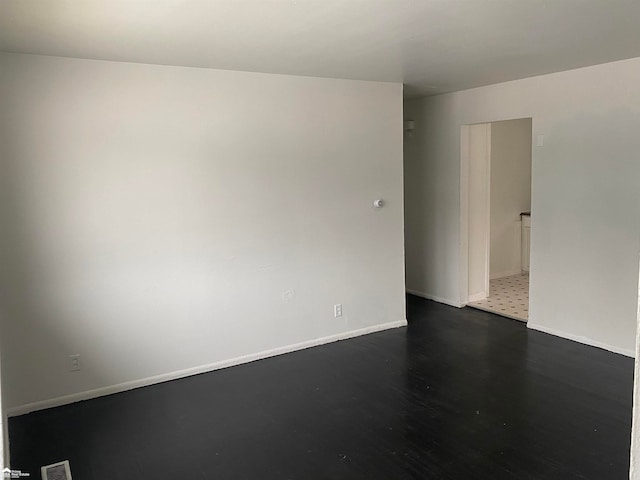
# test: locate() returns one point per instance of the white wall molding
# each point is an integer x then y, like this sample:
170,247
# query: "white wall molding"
580,339
477,297
475,178
435,298
143,382
506,274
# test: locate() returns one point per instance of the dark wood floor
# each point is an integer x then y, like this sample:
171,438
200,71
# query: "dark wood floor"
459,394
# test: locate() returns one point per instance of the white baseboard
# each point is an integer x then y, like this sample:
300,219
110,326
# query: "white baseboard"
434,298
477,297
122,387
510,273
583,340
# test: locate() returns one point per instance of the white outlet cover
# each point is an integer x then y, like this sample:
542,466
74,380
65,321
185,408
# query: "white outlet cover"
56,471
75,362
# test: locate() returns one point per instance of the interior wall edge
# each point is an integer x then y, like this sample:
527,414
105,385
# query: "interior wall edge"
634,468
435,298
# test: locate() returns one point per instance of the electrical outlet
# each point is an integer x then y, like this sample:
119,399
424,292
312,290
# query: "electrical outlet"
288,296
337,310
74,362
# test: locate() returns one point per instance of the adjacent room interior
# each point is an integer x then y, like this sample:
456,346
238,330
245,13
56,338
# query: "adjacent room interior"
496,170
240,239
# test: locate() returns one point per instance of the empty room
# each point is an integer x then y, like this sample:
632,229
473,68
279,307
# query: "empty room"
243,239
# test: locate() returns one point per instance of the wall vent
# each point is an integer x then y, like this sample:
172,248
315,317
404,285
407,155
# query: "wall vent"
56,471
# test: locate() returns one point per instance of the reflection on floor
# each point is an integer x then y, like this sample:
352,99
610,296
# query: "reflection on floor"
508,296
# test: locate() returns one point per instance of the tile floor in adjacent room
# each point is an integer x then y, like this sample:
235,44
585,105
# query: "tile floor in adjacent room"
508,296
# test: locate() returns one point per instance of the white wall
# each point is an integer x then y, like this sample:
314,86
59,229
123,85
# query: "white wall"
585,196
510,193
161,219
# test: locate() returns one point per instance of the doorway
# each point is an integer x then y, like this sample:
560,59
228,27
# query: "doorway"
496,169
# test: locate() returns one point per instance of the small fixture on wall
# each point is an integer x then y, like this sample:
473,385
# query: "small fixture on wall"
409,127
378,203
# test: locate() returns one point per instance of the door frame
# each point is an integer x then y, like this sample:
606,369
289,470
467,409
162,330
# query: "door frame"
464,207
483,242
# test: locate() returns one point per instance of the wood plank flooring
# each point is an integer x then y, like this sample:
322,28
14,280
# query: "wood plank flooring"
459,394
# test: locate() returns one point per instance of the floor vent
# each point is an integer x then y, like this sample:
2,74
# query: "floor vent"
56,471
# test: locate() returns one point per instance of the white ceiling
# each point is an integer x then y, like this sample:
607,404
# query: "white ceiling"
432,46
